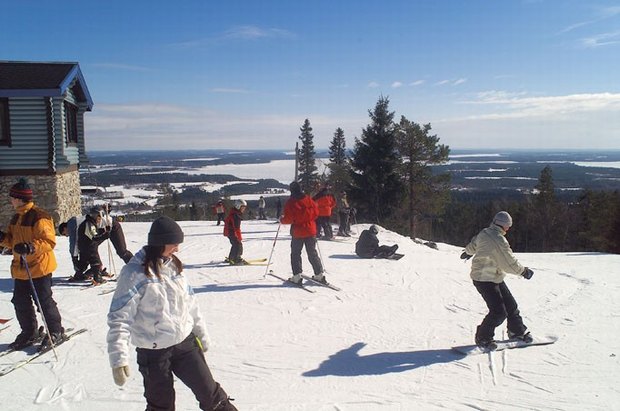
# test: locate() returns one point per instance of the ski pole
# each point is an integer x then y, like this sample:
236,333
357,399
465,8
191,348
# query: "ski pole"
273,247
36,298
110,257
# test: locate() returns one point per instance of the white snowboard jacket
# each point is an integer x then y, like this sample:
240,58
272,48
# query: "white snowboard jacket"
154,313
493,257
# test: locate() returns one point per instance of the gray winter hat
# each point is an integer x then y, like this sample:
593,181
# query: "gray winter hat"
503,218
164,231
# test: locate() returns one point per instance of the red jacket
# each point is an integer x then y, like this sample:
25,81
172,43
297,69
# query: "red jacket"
301,213
326,203
232,224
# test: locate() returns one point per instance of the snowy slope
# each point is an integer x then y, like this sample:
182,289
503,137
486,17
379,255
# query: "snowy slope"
383,343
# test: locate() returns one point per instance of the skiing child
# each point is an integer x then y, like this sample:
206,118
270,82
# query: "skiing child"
155,307
220,210
232,230
368,245
493,258
90,236
301,212
32,237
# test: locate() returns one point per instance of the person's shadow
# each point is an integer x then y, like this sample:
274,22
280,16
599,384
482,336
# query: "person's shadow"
349,363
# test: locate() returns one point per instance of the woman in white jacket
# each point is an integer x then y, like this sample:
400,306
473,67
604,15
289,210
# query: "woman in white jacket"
493,259
155,307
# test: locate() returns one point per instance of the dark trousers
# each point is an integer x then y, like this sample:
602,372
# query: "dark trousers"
322,223
23,301
296,246
187,362
89,255
502,306
343,229
220,218
236,248
118,241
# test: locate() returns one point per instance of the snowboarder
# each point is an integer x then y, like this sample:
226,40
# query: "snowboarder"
493,258
261,208
155,307
368,245
232,230
31,236
301,212
326,202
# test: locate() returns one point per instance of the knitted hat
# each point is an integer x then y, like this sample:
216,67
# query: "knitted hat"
295,188
503,218
21,190
373,229
165,230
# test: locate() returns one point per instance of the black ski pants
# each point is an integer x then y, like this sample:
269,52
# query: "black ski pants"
297,244
236,249
117,236
502,306
24,303
187,361
323,224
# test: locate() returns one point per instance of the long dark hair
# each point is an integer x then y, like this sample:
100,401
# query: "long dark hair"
152,260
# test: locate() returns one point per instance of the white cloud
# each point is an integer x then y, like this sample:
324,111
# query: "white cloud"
416,83
599,40
373,84
397,84
250,32
459,81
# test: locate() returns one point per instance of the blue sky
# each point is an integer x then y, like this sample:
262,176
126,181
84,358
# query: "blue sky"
525,74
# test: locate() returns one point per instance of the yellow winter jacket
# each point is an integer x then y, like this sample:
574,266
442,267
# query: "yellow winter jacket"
493,257
34,225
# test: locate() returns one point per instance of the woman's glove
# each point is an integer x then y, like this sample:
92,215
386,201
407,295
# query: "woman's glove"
527,273
120,374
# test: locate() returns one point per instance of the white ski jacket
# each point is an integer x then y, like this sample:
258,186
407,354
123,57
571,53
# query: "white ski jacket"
493,257
155,313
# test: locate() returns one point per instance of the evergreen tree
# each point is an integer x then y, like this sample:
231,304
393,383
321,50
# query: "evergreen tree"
339,166
546,211
427,193
307,176
377,188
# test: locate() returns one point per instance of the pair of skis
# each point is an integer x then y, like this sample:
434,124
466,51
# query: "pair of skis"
32,357
303,286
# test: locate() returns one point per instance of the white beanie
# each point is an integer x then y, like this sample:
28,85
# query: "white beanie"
503,218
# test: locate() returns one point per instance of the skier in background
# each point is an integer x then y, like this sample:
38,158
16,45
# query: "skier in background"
89,238
220,210
232,230
343,213
493,258
31,236
261,208
301,212
69,229
155,308
326,202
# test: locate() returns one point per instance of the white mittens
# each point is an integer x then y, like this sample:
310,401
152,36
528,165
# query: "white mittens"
120,374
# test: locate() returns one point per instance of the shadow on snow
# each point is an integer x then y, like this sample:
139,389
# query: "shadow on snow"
348,362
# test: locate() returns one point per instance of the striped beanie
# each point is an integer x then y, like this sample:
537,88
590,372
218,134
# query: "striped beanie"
21,190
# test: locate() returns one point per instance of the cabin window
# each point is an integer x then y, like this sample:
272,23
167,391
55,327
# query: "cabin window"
5,130
71,115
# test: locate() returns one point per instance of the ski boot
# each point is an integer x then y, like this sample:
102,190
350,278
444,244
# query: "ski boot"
487,345
296,279
54,338
26,339
320,278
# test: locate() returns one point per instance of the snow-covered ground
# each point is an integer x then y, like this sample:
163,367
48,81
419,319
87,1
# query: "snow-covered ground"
382,343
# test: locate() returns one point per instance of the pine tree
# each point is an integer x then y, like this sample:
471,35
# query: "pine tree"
427,193
308,176
377,188
339,166
546,209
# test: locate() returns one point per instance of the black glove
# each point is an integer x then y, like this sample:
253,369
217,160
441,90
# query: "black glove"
2,235
527,273
24,248
466,256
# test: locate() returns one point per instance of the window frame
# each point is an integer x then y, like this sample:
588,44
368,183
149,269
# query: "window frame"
71,123
5,122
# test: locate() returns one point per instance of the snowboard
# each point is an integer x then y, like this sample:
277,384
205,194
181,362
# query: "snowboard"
504,345
395,256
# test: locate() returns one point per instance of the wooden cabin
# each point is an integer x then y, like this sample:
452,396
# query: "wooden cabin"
42,136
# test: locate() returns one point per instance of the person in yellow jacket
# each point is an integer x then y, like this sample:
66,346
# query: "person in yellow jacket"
31,235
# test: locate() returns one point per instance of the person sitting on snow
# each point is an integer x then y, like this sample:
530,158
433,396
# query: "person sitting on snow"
368,245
